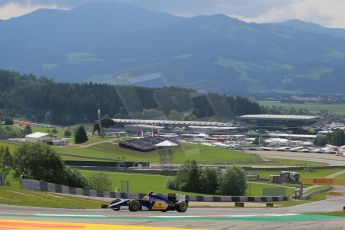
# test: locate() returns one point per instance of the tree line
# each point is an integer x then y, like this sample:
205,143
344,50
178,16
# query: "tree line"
337,137
42,100
192,178
41,162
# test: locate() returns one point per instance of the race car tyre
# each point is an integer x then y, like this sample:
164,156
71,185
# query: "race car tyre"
134,205
104,206
181,206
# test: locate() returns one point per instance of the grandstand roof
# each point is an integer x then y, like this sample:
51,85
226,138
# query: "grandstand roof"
291,135
277,117
171,122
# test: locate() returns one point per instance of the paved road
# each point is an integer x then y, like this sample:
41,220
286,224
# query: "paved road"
206,218
330,159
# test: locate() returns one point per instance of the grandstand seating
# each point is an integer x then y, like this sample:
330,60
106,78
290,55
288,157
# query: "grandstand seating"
145,144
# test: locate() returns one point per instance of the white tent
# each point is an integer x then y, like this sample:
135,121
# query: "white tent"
166,143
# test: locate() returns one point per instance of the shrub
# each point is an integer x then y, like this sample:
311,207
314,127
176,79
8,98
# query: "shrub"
73,178
171,184
232,182
67,133
209,181
191,178
5,162
100,182
40,162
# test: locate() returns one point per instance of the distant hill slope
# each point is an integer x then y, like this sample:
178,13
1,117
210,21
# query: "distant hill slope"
43,100
315,28
124,44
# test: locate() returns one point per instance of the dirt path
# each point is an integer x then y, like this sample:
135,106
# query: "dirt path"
335,174
92,144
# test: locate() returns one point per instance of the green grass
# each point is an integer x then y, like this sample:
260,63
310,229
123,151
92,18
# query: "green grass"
16,196
256,189
289,203
11,147
339,213
107,151
95,139
341,176
317,188
317,197
12,181
201,153
293,202
76,158
60,131
311,107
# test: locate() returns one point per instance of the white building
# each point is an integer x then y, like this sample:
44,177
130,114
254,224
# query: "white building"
47,138
277,142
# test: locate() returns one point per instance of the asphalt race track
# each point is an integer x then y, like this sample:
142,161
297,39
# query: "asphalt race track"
196,218
330,159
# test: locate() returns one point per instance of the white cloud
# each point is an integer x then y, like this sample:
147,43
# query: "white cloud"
15,9
324,12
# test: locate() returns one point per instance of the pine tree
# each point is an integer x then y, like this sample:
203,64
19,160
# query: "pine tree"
80,136
27,130
67,133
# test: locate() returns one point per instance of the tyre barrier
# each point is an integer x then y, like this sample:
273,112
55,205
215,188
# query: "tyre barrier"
239,204
36,185
269,205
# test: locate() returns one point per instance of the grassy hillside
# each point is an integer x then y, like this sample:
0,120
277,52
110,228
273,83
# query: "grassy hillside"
109,150
16,196
314,108
201,153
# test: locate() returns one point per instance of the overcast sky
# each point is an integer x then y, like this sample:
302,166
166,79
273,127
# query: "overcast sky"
325,12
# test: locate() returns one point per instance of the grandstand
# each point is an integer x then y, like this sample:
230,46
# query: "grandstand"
275,121
145,144
170,123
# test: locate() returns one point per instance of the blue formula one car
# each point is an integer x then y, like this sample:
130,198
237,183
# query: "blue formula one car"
151,202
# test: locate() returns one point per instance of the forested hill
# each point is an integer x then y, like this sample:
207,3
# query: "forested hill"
43,100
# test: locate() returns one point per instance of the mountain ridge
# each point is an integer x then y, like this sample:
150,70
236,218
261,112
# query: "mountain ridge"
126,44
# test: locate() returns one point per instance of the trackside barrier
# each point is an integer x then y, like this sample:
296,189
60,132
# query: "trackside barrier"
30,184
